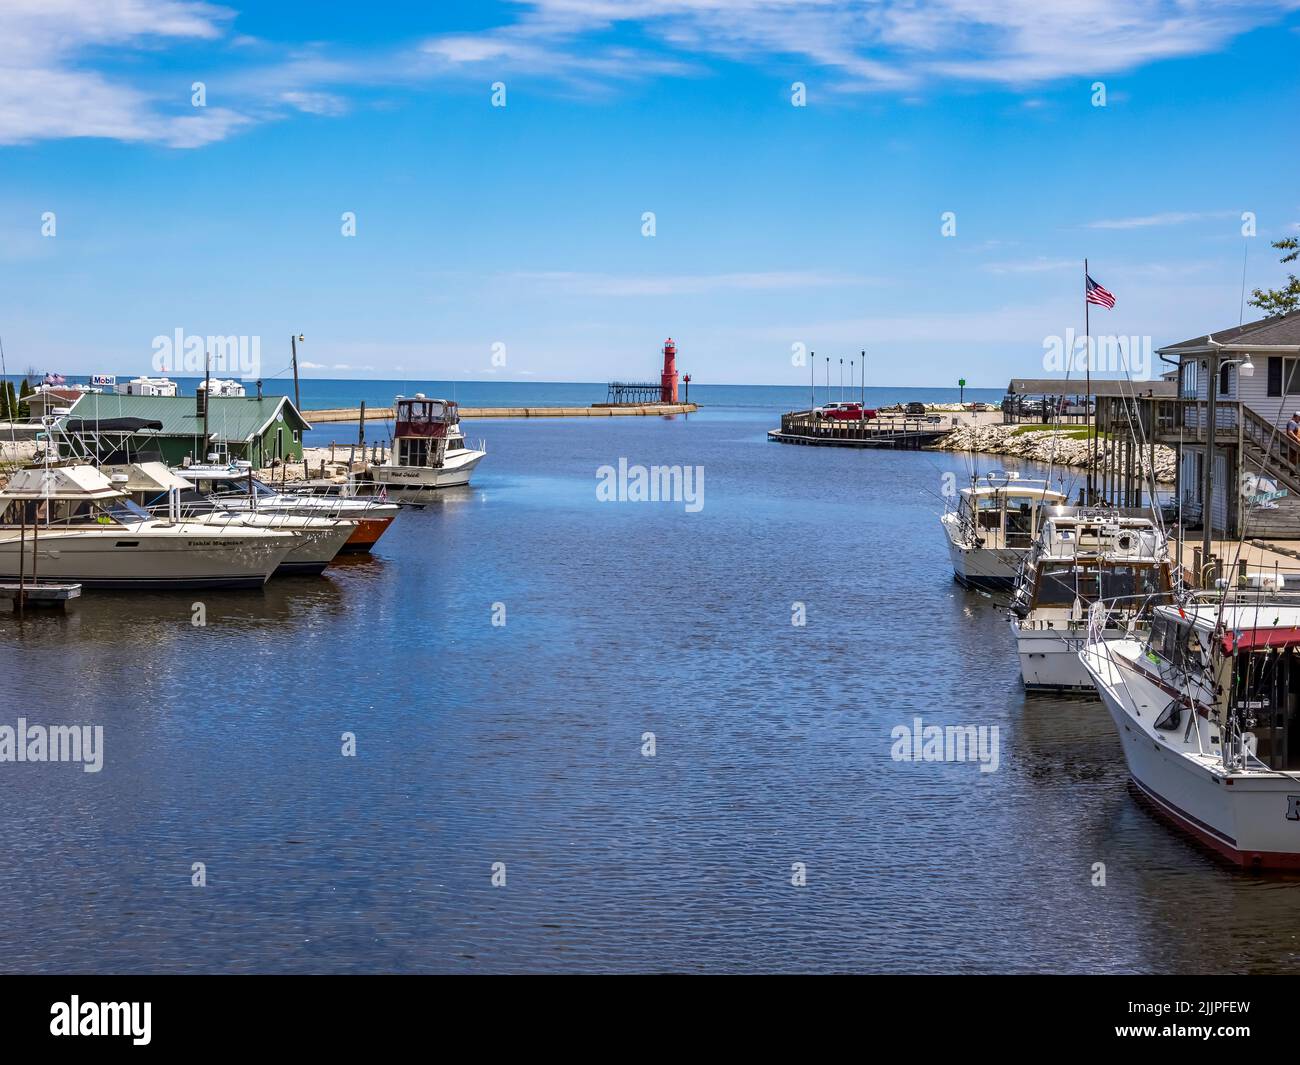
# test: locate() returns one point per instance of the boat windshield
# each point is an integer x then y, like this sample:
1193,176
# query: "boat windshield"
125,511
1061,585
72,512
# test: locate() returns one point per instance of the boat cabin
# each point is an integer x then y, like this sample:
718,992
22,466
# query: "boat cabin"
1082,556
65,496
425,430
1005,512
1255,651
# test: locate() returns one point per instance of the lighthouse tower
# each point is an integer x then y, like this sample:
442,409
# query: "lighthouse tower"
668,381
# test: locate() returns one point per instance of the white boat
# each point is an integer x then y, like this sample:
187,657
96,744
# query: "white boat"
1207,707
1082,555
71,523
993,526
235,487
429,450
160,490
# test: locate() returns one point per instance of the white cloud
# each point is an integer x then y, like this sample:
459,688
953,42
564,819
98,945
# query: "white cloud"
590,284
48,90
1167,218
316,103
1032,266
890,43
54,82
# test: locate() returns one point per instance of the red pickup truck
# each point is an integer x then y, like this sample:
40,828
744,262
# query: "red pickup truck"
848,412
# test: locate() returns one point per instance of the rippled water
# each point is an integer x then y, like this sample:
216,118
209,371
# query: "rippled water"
522,744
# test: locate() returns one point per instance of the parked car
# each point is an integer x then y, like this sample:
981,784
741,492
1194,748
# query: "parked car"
915,410
849,412
976,407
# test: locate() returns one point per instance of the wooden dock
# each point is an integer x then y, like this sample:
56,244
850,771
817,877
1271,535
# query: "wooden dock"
353,414
48,594
887,431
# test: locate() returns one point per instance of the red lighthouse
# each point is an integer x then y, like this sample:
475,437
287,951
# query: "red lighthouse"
668,381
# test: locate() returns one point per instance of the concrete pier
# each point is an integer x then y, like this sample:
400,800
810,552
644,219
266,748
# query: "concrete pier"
352,414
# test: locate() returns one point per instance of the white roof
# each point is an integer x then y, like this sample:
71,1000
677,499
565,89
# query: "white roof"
1015,488
150,477
59,482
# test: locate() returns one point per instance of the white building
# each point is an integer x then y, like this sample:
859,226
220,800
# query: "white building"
1256,370
217,387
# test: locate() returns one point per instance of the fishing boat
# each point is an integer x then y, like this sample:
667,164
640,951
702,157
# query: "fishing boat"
1207,707
160,490
429,450
993,527
234,486
71,523
1082,555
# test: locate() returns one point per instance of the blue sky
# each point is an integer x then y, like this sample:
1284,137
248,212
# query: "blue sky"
521,225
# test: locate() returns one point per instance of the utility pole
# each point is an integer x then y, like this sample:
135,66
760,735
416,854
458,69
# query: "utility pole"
293,341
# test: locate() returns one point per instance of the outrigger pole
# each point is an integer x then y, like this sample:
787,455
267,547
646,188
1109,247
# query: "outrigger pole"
1088,404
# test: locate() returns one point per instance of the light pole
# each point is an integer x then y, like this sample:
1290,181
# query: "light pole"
293,341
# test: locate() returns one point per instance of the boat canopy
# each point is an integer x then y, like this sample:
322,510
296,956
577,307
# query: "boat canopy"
1261,639
77,426
59,482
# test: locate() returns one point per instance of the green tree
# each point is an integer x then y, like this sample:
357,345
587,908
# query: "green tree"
1279,301
4,401
24,411
11,400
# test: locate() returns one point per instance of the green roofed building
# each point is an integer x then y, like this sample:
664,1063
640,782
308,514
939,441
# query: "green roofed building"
258,430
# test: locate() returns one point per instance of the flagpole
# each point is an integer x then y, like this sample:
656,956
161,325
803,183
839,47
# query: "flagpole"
1087,365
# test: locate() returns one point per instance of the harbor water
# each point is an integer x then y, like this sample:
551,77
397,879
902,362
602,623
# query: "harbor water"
589,735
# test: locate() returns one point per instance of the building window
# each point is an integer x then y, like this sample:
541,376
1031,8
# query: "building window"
1225,381
1189,371
1276,365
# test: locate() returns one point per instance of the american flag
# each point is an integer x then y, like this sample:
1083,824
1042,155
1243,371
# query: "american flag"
55,379
1094,293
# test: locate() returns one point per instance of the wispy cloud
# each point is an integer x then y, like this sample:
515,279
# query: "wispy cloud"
55,81
593,284
1039,265
1166,218
48,90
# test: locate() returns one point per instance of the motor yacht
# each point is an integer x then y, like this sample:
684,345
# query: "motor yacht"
993,527
1206,704
429,450
1082,555
71,523
160,490
235,487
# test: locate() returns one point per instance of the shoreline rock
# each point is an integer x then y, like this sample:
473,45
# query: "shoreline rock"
1045,445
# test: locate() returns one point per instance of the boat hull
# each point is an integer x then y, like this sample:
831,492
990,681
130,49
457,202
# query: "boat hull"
991,569
1049,659
1251,819
365,536
405,480
143,559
